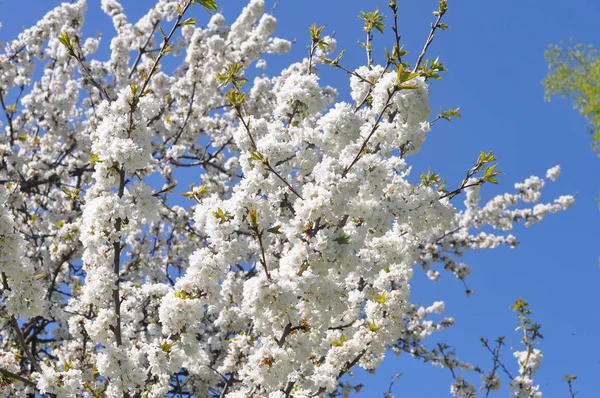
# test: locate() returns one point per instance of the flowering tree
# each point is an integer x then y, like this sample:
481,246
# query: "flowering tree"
292,263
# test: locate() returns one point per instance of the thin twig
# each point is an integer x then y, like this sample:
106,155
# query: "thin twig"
373,130
347,367
15,376
429,40
142,50
17,329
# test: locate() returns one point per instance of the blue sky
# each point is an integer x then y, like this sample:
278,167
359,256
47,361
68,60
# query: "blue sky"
494,53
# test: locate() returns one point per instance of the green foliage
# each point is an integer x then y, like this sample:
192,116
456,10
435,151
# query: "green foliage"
222,216
257,157
443,7
431,69
489,173
189,21
184,295
373,20
340,342
575,74
317,41
569,379
342,239
404,76
381,299
233,74
195,193
430,179
448,114
253,217
66,41
209,5
373,327
165,346
531,330
315,33
332,62
275,229
236,98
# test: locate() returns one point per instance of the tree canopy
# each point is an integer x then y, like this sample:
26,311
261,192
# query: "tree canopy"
286,265
574,73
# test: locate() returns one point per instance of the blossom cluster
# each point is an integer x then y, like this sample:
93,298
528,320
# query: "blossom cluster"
285,266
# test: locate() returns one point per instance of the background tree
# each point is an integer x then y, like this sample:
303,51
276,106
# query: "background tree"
575,74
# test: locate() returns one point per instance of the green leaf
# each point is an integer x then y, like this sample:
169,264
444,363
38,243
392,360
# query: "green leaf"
489,170
486,157
166,347
65,40
315,33
221,216
167,49
236,98
94,159
339,57
450,113
188,22
253,216
342,239
209,5
373,20
430,178
162,32
340,342
256,156
520,305
373,327
381,299
275,229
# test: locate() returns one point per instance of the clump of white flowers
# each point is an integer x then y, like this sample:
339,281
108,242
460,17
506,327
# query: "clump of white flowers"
553,173
20,285
285,266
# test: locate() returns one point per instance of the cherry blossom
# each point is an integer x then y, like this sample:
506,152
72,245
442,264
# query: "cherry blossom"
284,266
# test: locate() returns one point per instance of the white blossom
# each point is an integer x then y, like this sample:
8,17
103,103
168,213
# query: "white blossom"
286,264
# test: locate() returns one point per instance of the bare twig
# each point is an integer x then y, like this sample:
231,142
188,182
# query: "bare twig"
373,130
430,38
15,376
17,329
